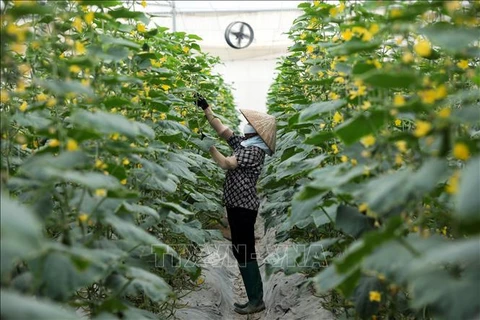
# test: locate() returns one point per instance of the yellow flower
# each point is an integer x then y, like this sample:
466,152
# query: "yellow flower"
398,100
460,151
398,159
374,28
428,96
407,57
333,96
322,125
72,145
366,105
452,5
35,45
339,79
452,184
101,192
186,49
79,47
51,102
143,3
334,148
422,128
444,113
367,36
165,87
141,28
353,162
53,143
114,136
347,35
195,130
423,48
163,116
396,13
375,296
135,99
83,217
462,64
441,92
375,62
303,36
401,146
344,158
310,48
363,207
333,11
42,97
200,280
368,141
398,122
123,181
23,106
337,117
125,162
89,17
183,123
24,68
99,164
20,86
74,68
77,24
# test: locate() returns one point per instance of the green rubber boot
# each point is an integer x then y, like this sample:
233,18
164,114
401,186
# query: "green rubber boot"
254,287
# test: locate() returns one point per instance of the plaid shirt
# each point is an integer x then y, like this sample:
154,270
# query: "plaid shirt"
240,188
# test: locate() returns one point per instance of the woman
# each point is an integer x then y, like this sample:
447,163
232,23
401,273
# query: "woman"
240,195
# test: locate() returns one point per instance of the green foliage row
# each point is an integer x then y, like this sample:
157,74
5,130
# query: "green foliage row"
104,172
378,161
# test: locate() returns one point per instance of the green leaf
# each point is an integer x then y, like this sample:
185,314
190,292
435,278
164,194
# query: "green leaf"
61,277
353,46
318,108
174,206
21,234
101,3
192,230
404,184
319,138
352,222
106,39
352,130
32,119
446,295
361,297
16,306
128,14
365,246
467,201
108,123
450,37
64,87
136,208
400,79
148,283
128,230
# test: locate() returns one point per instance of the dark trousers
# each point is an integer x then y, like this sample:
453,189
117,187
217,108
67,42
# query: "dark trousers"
242,227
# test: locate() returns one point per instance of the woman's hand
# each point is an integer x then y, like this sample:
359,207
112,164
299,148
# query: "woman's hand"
200,101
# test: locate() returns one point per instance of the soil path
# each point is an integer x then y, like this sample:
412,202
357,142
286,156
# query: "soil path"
223,286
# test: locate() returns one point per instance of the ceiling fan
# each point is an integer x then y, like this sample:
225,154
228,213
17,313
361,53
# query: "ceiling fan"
239,35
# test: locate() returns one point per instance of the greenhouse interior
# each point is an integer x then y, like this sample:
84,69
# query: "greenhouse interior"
240,159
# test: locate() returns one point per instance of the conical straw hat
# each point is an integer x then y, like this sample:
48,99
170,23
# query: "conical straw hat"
265,126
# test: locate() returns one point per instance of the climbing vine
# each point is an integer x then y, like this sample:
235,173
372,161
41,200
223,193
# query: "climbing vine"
106,191
378,157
